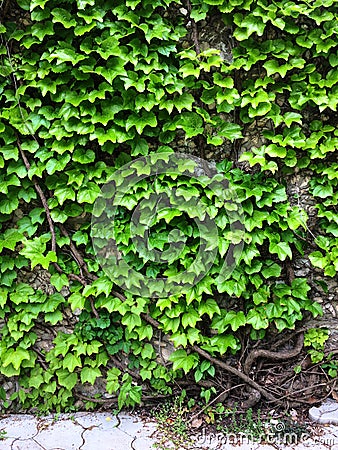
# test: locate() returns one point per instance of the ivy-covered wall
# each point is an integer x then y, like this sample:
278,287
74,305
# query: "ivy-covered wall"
109,94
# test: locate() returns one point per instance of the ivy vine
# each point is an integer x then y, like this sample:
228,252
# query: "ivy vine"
89,86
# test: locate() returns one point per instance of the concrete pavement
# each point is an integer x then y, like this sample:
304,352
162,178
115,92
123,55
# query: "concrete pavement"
103,431
80,431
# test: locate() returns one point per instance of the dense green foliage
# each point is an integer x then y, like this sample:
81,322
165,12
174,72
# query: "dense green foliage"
88,86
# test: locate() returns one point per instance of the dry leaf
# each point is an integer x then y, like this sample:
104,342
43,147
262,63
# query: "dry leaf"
196,423
335,395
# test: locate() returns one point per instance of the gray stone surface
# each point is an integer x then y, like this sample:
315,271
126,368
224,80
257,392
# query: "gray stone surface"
20,426
23,445
327,413
133,427
102,420
60,434
106,440
143,443
104,431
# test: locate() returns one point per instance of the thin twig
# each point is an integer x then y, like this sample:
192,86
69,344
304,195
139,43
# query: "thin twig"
286,339
96,314
73,276
41,360
194,34
96,400
52,230
120,366
214,400
118,295
310,243
312,388
78,257
4,6
41,195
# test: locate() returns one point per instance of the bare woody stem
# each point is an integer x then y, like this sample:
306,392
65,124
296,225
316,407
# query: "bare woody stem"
222,365
41,195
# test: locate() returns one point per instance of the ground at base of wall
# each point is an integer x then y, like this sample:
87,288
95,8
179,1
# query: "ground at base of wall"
106,431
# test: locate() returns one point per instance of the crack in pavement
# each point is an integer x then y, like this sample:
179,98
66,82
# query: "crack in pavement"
29,439
82,437
45,426
132,443
135,435
107,429
40,445
84,430
118,421
45,433
41,426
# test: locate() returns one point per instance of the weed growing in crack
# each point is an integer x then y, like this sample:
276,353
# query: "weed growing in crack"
172,423
3,435
245,423
251,425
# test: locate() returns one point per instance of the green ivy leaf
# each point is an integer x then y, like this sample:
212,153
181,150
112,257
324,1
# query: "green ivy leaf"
63,16
84,156
190,318
296,218
282,249
53,317
15,357
8,205
88,193
191,123
89,374
300,288
54,165
131,320
3,297
233,319
275,151
209,307
323,191
181,360
184,101
64,193
34,250
140,121
10,239
231,131
271,270
179,339
318,260
67,379
59,281
247,25
257,320
113,384
222,343
70,362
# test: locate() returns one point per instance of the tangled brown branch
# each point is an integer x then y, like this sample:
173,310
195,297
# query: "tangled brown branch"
277,356
265,393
